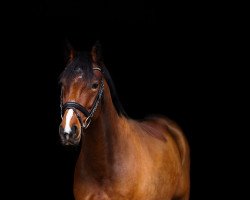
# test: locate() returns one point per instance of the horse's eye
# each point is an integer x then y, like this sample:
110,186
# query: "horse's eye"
95,85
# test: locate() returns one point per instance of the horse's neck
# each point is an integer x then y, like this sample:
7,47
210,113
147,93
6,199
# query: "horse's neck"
100,141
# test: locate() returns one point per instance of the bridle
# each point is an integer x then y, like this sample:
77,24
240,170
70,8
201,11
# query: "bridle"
78,107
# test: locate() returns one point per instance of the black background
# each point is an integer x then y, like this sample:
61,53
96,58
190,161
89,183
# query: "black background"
171,60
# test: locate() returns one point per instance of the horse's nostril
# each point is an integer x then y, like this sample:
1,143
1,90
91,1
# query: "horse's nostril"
73,129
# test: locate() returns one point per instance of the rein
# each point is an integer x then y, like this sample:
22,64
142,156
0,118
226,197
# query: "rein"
78,107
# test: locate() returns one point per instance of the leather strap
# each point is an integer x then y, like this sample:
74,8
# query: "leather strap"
77,106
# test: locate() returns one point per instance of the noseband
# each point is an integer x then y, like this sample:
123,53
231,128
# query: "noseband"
76,106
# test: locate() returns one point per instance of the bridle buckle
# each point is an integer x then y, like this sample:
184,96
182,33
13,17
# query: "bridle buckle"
87,122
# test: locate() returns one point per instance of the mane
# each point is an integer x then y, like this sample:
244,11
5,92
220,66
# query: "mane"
82,65
114,96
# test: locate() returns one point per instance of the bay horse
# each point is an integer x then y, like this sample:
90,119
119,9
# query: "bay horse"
120,158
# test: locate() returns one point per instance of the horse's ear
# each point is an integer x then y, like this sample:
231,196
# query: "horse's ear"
69,51
96,53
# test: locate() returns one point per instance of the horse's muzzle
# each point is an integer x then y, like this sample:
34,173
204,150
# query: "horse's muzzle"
71,138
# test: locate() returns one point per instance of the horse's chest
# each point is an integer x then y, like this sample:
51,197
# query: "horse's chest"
93,196
120,191
104,192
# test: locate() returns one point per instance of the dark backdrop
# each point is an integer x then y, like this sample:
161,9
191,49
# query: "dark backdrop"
165,60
